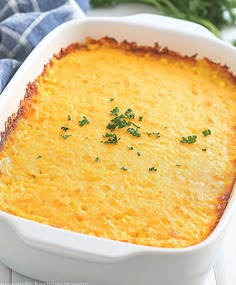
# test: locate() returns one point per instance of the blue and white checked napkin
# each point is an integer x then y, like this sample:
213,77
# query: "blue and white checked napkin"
23,23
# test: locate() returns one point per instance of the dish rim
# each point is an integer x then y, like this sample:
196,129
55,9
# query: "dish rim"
18,223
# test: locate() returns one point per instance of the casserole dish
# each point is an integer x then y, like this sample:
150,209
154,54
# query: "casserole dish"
55,255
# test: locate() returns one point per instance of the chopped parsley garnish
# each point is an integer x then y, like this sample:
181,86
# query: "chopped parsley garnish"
131,123
115,111
112,99
124,168
152,168
65,129
129,114
117,122
157,134
39,156
138,153
206,132
140,119
69,117
112,138
134,132
130,147
189,139
122,120
83,122
204,149
65,136
178,165
97,159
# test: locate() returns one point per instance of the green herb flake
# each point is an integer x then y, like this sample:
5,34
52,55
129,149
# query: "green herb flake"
204,149
140,119
189,139
112,138
152,168
83,122
178,165
69,117
65,129
65,136
115,111
130,147
206,132
157,134
129,114
139,153
112,99
131,123
97,159
118,122
124,168
39,156
134,132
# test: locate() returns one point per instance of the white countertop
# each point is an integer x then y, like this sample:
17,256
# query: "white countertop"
224,272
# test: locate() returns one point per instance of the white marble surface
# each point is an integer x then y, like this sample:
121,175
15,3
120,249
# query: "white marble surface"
224,272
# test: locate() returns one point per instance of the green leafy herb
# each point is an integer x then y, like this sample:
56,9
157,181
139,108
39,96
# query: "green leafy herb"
178,165
233,43
112,99
129,114
65,136
117,122
189,139
124,168
39,156
83,122
140,119
157,134
138,153
206,132
130,147
115,111
132,123
65,129
213,14
152,168
134,132
97,159
204,149
69,117
111,138
122,120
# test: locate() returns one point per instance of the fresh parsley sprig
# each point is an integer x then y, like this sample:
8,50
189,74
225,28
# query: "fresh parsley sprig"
212,14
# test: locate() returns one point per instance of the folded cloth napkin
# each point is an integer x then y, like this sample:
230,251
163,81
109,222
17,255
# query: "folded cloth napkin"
23,23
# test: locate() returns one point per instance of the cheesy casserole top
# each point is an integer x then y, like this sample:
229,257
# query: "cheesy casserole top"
124,142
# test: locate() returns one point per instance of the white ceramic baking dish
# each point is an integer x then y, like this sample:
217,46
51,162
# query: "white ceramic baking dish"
55,255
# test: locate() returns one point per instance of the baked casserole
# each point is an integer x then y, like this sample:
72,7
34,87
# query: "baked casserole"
125,142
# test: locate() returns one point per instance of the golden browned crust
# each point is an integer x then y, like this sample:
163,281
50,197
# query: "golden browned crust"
12,121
